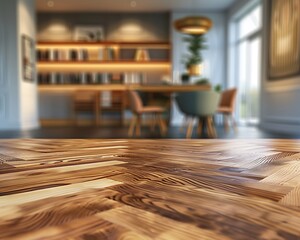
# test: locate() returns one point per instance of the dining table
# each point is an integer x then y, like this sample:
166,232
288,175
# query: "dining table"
153,91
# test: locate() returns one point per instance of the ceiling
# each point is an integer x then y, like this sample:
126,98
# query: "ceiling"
138,5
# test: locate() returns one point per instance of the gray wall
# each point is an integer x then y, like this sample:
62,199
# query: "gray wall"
279,99
117,26
18,99
9,79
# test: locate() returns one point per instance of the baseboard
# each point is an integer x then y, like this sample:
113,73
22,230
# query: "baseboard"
17,125
282,120
276,125
30,125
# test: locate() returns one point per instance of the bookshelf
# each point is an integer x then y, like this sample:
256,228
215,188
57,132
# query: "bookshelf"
95,65
131,45
101,58
103,52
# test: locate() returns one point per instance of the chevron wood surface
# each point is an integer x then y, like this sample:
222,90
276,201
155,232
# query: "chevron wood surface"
150,189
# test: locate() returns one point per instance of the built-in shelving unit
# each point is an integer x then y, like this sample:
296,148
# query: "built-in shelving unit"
101,66
131,45
103,57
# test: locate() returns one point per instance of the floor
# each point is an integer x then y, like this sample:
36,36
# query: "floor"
150,189
121,132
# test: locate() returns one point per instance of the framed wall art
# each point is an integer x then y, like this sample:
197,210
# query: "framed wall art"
28,52
89,34
284,39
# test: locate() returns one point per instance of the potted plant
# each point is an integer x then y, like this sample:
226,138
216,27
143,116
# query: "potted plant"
205,81
185,78
218,88
192,61
202,81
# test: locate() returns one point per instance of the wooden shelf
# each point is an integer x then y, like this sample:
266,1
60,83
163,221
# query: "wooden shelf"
125,61
118,64
124,87
103,66
130,45
76,87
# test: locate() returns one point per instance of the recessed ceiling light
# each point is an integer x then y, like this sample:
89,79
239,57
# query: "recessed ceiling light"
50,4
133,4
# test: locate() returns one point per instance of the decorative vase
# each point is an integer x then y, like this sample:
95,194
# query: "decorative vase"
195,70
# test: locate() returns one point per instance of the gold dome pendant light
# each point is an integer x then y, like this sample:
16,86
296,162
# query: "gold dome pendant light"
194,26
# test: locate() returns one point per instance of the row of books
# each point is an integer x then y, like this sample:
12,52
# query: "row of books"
91,78
101,54
104,54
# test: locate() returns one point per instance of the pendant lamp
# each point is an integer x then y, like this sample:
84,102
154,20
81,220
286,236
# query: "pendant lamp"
194,25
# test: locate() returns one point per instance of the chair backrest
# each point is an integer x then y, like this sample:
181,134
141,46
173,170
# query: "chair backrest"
86,96
198,103
136,103
228,98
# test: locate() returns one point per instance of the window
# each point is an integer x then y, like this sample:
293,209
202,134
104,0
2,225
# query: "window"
250,23
248,65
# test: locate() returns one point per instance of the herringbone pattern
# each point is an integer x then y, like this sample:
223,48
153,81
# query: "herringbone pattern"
150,189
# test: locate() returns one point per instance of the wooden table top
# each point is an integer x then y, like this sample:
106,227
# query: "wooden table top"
150,189
125,87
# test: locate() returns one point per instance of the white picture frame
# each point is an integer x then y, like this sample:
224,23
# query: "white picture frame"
89,34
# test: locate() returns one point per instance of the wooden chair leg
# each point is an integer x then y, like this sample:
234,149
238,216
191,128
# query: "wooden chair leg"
97,109
138,126
226,122
234,125
189,131
200,127
184,124
97,117
74,118
162,125
212,127
153,123
74,114
132,125
209,127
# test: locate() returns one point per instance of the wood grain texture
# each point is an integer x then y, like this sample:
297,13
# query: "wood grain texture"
124,87
150,189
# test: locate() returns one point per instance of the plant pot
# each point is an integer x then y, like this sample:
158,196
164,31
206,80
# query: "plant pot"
185,78
195,70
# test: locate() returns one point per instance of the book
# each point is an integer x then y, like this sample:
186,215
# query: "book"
101,54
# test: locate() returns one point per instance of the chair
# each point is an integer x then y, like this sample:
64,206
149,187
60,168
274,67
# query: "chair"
201,105
138,110
227,107
86,101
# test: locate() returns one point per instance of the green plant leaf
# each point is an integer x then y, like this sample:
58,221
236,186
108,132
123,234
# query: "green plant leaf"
195,45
